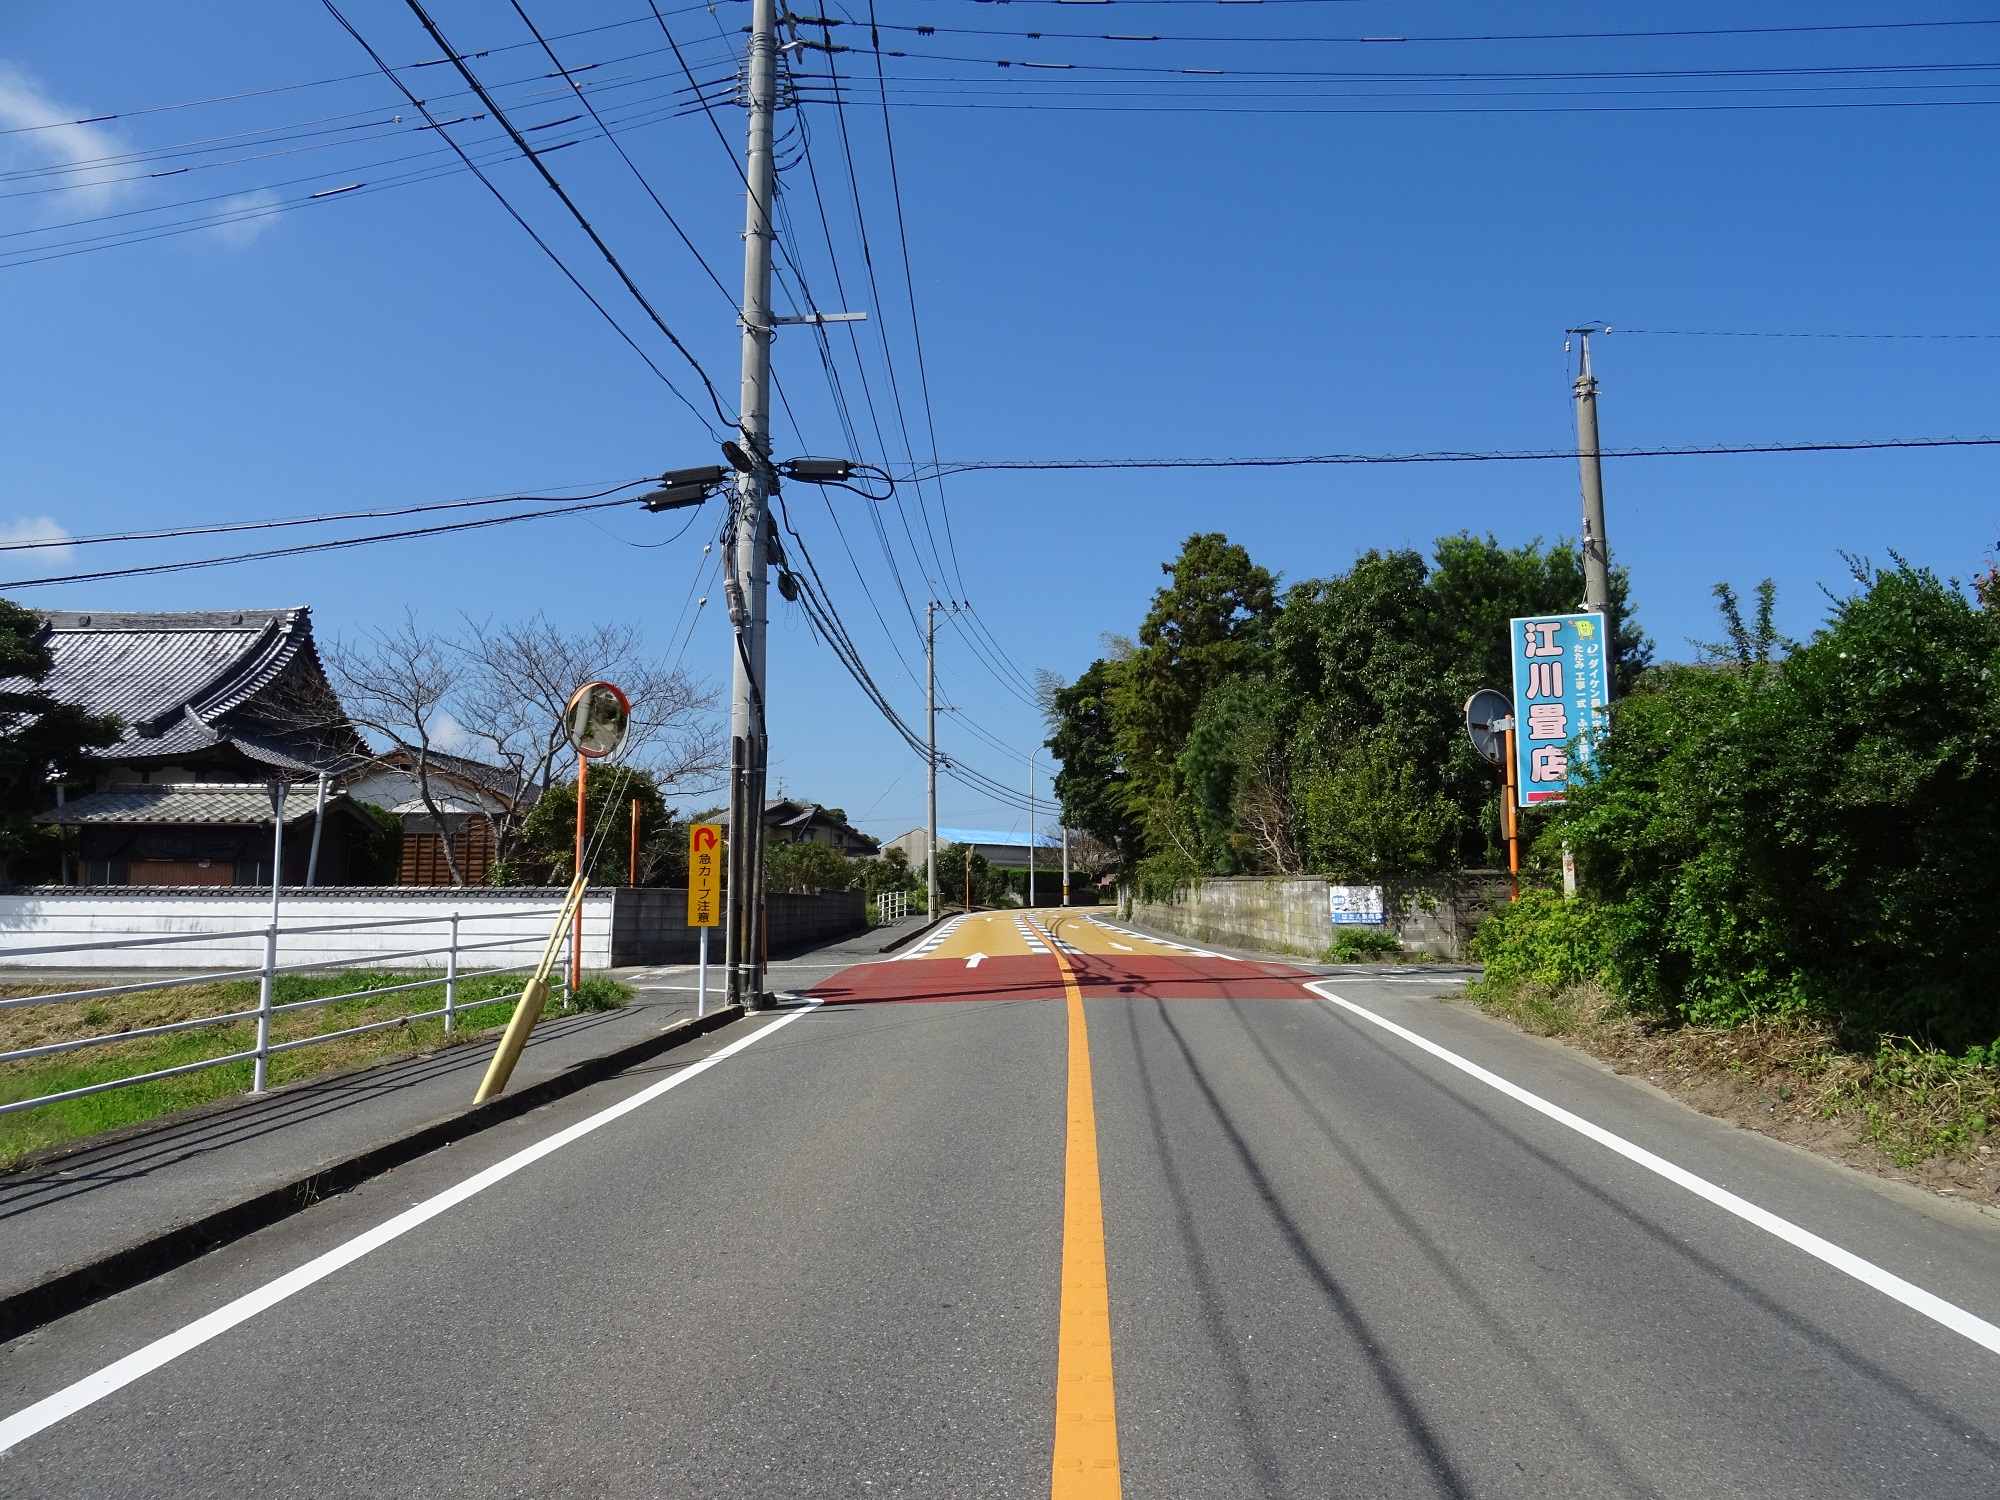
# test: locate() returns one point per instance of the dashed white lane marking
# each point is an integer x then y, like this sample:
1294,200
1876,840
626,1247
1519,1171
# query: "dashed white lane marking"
930,943
1161,942
1956,1318
1125,948
30,1420
1030,935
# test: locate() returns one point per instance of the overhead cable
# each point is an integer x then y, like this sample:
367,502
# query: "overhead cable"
218,527
515,215
535,158
974,466
334,544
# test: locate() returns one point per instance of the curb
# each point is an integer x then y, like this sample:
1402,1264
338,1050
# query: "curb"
64,1292
911,937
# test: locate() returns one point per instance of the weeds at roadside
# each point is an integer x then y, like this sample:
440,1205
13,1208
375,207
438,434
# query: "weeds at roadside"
1362,948
1904,1104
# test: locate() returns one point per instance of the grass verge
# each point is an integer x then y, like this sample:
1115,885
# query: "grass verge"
1904,1110
484,1003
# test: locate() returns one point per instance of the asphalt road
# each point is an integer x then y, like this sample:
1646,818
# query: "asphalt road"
852,1257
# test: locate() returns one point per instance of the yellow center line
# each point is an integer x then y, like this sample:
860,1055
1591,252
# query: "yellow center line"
1086,1447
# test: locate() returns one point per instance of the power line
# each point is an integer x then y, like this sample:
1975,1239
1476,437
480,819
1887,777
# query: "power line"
500,115
910,286
1254,108
218,527
1527,36
1542,75
616,145
1720,333
333,545
515,215
315,83
973,466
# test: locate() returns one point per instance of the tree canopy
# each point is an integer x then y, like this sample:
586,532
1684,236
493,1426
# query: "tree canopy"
42,742
1318,731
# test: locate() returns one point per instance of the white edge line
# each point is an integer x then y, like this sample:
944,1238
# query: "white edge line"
115,1376
1956,1318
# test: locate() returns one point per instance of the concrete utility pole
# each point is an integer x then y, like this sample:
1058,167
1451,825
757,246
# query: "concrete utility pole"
750,528
932,609
1596,549
930,758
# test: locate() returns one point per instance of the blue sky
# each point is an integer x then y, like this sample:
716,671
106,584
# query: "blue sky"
1154,270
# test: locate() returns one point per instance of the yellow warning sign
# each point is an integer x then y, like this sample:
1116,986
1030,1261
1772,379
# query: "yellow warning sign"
704,875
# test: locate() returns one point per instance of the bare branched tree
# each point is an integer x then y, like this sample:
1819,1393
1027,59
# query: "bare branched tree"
519,676
398,685
1047,685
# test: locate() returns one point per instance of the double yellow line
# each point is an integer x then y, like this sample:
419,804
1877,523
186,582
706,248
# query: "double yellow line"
1086,1448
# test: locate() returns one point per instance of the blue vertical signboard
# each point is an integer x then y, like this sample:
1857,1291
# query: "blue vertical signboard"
1561,686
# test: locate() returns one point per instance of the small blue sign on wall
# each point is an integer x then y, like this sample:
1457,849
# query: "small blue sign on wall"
1562,682
1356,905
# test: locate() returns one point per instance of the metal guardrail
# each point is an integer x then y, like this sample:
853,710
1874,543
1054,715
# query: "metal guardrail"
266,1010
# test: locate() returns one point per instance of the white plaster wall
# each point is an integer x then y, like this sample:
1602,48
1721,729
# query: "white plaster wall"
518,921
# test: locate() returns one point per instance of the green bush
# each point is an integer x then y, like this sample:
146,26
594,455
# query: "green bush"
1815,835
804,867
1358,946
1544,940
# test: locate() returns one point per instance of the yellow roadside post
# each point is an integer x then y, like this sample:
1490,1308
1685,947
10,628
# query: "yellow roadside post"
704,911
533,997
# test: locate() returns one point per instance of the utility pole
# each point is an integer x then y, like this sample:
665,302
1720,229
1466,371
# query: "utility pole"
932,608
1031,823
931,892
750,526
1596,549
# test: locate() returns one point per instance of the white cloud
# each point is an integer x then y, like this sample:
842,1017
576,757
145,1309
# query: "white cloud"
450,736
36,529
43,138
251,217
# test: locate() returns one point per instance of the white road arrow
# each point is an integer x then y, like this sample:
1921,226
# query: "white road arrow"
973,962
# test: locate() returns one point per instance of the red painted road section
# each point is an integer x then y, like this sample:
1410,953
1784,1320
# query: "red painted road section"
1144,977
1036,977
1021,976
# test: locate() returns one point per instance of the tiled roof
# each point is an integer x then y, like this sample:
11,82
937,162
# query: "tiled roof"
176,677
188,802
148,667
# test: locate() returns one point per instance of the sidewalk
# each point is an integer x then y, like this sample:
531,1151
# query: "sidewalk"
111,1213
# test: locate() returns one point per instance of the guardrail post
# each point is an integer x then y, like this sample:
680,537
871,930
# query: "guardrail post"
261,1072
451,981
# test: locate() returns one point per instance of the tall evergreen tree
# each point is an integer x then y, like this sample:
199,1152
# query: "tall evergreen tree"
42,742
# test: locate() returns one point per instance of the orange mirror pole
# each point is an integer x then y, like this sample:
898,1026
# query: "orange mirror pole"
1512,823
576,871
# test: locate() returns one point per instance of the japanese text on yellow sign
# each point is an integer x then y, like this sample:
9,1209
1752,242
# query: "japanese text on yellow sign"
704,875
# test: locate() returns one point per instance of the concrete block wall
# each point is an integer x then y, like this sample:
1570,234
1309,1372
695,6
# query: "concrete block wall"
649,926
1292,914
